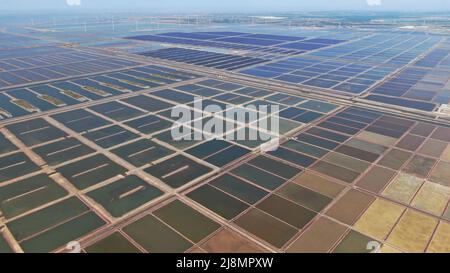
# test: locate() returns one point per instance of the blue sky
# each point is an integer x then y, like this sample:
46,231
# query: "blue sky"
227,5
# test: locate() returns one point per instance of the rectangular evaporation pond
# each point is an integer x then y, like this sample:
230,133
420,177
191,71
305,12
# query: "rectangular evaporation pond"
80,120
351,88
208,148
320,142
142,152
174,96
177,171
32,99
223,156
275,167
54,226
54,93
266,227
292,112
181,144
199,90
186,220
362,150
239,188
305,148
354,242
62,151
201,84
347,162
90,171
25,195
318,106
12,108
258,176
6,146
120,84
347,123
132,80
304,197
338,128
158,76
327,134
16,165
117,111
155,236
110,136
7,66
217,201
124,195
233,98
335,171
287,211
228,86
285,125
177,74
30,76
149,124
114,243
148,103
291,78
12,79
321,83
260,73
90,84
285,99
419,105
293,157
249,142
36,131
76,89
206,103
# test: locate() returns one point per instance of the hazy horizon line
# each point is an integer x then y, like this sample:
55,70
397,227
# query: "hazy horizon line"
140,10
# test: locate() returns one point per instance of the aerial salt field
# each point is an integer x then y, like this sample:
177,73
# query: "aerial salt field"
87,152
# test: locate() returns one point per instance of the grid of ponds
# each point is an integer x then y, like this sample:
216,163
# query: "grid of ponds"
408,70
355,177
350,68
20,66
423,86
267,46
268,43
45,97
84,174
204,58
11,41
111,175
94,167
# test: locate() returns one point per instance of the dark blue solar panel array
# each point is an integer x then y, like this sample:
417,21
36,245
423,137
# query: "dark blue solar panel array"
268,43
423,86
204,58
392,49
351,68
340,76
